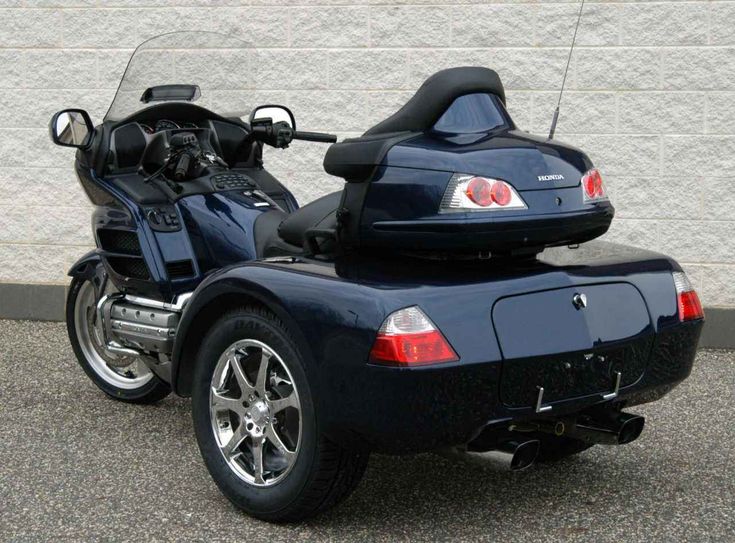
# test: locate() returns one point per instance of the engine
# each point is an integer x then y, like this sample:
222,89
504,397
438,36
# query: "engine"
140,326
143,328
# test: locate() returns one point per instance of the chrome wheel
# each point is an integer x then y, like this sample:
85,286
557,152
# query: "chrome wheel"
255,412
124,372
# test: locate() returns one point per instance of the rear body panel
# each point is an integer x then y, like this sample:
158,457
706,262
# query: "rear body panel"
494,315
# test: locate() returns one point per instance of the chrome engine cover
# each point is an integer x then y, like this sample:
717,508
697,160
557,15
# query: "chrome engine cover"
143,328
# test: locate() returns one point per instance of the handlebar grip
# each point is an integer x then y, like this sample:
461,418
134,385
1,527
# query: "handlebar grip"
314,136
182,167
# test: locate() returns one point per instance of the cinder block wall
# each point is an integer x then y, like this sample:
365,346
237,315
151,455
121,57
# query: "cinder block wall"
651,97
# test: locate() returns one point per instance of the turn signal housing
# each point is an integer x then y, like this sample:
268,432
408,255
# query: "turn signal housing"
687,301
409,338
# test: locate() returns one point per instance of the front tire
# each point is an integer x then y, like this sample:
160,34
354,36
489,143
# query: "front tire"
256,425
126,379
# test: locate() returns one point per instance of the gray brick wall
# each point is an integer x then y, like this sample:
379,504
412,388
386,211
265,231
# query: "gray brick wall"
651,97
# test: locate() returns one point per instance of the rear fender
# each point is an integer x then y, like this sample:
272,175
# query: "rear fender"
215,297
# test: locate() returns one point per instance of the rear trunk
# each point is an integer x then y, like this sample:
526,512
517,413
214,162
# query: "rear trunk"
405,205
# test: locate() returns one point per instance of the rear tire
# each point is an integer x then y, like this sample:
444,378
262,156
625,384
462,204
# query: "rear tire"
555,448
134,383
256,425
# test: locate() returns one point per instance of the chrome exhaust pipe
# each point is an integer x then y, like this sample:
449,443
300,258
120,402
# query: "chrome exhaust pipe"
603,427
609,428
508,455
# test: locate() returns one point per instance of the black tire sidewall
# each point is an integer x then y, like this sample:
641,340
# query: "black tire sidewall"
265,502
152,391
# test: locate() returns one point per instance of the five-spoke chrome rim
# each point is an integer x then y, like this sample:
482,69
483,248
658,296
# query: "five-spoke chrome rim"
255,412
124,372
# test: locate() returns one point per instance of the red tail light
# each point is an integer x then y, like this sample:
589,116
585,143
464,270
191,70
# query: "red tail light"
479,191
409,338
501,193
593,186
690,308
467,192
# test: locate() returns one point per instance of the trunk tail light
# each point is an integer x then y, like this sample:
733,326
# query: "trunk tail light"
479,191
690,308
500,193
475,193
592,186
409,338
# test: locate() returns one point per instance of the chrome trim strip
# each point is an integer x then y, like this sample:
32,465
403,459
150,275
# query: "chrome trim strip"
132,326
177,306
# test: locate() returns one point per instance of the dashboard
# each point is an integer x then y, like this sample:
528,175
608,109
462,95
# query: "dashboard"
165,124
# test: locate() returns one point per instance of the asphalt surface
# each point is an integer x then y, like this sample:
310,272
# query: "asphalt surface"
76,466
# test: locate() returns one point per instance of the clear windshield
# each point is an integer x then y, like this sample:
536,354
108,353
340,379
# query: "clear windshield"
216,63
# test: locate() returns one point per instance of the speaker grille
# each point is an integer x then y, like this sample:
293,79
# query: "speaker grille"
134,268
119,241
179,269
129,145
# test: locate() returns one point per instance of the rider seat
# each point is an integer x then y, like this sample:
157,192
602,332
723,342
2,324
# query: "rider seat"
278,233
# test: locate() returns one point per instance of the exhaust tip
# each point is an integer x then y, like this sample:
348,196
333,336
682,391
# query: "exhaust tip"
631,428
507,455
525,455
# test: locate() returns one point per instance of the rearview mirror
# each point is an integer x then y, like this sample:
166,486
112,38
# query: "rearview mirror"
271,114
71,128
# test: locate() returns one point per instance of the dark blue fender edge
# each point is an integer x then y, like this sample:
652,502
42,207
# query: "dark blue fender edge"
225,292
85,266
331,321
290,296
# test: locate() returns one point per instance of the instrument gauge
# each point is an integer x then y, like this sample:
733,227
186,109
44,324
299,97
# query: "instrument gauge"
165,124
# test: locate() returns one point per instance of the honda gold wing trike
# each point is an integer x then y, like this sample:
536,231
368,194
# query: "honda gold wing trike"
452,297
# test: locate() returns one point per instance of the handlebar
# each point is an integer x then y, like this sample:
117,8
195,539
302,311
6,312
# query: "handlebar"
281,136
314,136
182,167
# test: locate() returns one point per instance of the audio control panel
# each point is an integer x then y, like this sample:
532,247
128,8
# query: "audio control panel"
231,181
163,218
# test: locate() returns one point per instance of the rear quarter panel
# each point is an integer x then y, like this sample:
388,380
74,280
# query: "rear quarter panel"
336,308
